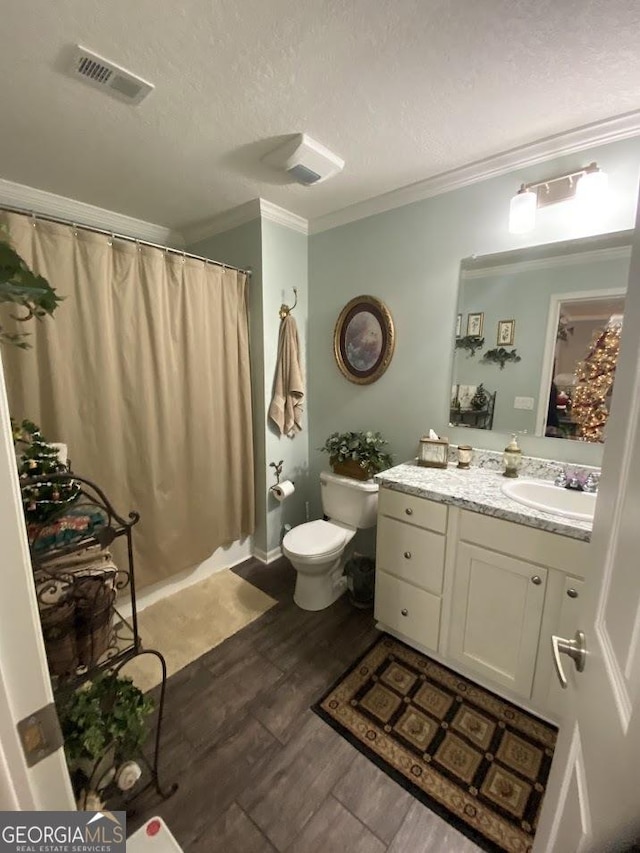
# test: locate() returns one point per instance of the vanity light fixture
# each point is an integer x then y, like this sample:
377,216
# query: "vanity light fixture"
587,185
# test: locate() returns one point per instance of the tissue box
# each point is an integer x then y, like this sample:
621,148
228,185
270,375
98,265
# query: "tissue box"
433,452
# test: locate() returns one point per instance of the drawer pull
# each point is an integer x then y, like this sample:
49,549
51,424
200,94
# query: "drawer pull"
404,611
409,511
536,579
572,593
407,555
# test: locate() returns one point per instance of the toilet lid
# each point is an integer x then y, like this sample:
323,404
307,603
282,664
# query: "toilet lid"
314,537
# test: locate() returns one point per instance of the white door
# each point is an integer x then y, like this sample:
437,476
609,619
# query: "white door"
593,801
24,677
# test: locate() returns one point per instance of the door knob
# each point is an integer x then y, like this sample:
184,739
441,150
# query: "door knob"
407,555
572,593
404,611
409,511
576,649
536,579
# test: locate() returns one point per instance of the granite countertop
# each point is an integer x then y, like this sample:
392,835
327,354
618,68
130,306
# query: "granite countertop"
479,490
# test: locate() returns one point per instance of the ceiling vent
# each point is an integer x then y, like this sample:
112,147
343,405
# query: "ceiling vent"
111,78
305,160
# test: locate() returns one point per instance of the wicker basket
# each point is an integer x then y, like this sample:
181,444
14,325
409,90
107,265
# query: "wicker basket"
350,468
59,632
94,598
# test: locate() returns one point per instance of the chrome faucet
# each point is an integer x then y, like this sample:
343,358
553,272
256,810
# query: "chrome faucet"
591,483
561,480
566,480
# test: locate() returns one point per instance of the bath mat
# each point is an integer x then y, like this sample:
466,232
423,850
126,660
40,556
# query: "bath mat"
186,625
474,758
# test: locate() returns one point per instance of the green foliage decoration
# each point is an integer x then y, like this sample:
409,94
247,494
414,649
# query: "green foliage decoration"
500,356
366,448
109,712
471,343
20,286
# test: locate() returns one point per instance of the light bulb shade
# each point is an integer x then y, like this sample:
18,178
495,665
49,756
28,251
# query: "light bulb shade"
591,189
522,212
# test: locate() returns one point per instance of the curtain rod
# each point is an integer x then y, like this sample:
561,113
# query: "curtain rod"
46,218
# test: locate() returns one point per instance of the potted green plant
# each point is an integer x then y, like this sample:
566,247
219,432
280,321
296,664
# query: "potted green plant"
357,454
104,725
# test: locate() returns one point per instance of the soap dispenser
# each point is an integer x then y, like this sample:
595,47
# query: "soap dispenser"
512,458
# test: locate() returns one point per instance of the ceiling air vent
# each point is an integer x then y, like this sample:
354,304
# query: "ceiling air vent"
111,78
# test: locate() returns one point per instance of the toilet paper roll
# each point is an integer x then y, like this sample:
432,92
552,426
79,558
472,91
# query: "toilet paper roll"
283,490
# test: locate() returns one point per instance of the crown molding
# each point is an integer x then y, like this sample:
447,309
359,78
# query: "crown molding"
283,217
257,208
33,200
569,142
225,221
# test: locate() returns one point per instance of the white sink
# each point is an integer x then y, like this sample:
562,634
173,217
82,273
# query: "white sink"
550,498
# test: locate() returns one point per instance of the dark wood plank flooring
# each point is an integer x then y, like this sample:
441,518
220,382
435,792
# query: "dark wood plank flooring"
258,771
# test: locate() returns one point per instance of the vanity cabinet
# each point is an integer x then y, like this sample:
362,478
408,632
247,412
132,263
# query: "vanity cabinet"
483,594
496,615
410,557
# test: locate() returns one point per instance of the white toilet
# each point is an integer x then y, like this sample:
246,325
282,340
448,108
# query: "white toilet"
318,550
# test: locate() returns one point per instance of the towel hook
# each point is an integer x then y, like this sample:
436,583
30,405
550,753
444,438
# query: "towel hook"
285,310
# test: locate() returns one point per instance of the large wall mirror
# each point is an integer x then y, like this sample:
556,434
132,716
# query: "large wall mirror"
537,335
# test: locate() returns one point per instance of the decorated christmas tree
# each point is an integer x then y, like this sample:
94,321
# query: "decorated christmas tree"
595,376
37,458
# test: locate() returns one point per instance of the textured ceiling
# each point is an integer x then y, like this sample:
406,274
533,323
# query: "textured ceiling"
401,89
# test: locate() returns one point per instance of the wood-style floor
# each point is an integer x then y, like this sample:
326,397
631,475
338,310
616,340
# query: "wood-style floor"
258,771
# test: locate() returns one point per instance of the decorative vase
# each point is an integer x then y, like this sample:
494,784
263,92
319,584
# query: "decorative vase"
350,468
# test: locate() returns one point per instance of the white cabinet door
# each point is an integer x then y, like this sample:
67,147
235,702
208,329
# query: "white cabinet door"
496,612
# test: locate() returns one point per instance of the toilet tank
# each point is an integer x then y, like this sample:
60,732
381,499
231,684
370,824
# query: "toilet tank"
353,502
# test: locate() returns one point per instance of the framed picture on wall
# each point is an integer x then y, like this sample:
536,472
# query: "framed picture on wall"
475,323
506,333
459,326
364,340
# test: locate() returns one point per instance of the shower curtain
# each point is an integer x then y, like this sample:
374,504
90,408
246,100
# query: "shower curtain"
144,373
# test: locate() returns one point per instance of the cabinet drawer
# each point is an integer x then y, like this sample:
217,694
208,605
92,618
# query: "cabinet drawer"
537,546
411,553
420,511
408,610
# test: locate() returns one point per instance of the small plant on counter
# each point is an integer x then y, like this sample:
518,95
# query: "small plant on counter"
357,454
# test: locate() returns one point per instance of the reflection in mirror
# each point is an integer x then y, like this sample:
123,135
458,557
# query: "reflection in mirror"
544,360
580,362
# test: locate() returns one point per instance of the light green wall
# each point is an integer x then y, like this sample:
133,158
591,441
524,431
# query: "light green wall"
278,258
284,266
524,295
410,257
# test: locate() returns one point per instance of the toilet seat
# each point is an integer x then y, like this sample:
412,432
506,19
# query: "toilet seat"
316,539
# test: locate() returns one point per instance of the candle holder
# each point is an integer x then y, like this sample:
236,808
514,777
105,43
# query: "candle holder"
465,454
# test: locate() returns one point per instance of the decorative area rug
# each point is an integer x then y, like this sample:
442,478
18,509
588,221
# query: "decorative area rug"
186,625
474,758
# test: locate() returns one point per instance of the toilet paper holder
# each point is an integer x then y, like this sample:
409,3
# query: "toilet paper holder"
277,466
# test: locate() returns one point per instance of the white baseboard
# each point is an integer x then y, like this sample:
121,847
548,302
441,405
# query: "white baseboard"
267,556
220,560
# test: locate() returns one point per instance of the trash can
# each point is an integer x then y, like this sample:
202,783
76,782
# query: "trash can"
361,577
